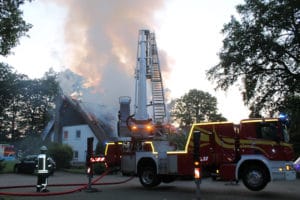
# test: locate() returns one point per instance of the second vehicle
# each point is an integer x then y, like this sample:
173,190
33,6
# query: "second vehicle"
27,165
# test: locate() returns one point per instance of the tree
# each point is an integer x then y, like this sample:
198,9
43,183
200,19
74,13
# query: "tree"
38,98
261,50
291,107
195,106
12,25
7,80
26,104
9,101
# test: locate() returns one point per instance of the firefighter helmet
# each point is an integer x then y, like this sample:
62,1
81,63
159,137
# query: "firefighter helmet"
43,148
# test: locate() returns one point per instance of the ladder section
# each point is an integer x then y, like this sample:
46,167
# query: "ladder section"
158,99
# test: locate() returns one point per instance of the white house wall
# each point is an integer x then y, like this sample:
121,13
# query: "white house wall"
78,144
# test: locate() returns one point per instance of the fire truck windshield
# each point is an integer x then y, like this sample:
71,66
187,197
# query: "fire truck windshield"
270,131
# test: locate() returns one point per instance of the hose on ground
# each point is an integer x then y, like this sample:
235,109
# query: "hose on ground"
81,187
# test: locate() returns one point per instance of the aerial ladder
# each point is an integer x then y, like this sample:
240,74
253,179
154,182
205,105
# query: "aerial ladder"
149,92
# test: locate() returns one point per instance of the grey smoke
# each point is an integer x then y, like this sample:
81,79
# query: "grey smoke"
101,38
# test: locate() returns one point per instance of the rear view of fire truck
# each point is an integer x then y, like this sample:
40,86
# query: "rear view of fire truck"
149,93
145,123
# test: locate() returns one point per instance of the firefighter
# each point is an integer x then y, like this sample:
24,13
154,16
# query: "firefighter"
43,166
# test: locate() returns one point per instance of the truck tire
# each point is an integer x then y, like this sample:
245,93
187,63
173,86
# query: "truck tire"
148,177
255,177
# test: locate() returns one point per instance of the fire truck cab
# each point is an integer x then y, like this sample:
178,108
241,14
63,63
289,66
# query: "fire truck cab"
256,151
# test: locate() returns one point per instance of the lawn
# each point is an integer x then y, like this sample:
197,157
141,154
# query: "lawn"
8,166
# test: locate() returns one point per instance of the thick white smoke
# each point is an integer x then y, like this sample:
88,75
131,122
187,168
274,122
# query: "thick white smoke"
101,38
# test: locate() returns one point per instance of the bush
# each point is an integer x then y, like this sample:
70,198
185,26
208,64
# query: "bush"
2,165
7,166
62,154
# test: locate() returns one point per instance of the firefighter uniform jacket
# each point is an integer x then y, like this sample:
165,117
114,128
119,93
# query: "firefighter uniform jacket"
44,164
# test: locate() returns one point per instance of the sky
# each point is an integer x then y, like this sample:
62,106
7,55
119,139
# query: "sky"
97,39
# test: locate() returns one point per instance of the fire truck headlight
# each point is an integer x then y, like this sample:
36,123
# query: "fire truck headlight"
280,169
288,167
134,128
149,128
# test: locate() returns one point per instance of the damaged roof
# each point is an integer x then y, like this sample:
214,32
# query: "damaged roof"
100,130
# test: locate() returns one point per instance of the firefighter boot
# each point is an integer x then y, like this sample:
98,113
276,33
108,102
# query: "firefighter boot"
44,185
38,188
44,189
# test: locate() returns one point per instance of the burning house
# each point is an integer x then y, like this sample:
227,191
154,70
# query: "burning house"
73,123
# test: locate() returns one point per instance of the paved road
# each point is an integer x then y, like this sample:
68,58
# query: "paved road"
132,190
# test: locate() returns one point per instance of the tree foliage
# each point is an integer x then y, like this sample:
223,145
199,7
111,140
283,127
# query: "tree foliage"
12,25
262,50
195,106
7,91
25,103
291,107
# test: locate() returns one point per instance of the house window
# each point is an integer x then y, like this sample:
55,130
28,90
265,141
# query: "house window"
75,155
66,134
78,134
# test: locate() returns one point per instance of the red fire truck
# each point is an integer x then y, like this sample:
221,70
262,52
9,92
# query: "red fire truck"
7,152
256,151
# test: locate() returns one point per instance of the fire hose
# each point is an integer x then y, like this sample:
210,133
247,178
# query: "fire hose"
82,186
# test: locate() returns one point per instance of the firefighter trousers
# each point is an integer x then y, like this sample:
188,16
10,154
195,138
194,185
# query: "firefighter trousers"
42,181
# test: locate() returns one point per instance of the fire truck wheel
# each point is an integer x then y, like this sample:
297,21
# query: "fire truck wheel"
255,177
148,177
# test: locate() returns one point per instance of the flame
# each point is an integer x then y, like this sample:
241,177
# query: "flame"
101,37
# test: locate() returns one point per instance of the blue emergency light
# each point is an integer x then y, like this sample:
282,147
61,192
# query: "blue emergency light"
284,118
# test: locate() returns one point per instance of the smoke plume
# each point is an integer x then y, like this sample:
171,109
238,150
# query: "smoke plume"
101,38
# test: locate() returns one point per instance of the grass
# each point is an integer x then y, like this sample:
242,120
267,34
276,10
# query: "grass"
8,166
